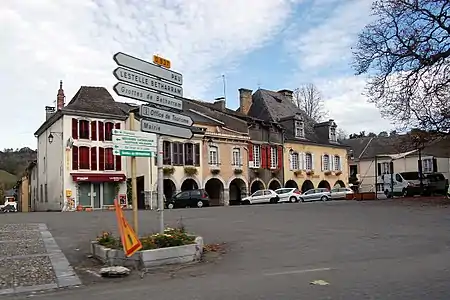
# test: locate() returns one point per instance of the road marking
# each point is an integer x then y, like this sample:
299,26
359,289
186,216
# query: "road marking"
298,271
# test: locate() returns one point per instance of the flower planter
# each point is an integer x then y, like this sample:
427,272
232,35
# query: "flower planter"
149,258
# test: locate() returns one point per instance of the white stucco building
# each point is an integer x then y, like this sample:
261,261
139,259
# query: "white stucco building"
75,158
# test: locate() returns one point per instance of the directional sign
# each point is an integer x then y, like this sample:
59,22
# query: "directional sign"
163,115
120,132
137,93
134,148
133,153
134,141
137,64
166,129
147,82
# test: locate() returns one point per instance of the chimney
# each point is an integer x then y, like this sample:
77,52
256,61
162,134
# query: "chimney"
287,94
49,111
220,103
245,100
60,97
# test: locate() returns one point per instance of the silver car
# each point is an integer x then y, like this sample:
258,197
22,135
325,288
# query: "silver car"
341,193
315,195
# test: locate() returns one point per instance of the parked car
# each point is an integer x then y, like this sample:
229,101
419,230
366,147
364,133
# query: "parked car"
193,198
288,194
315,195
262,196
341,193
436,183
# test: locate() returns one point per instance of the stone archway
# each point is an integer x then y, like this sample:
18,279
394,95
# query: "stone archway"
189,184
274,184
324,185
339,183
214,187
291,184
256,186
307,185
237,190
169,188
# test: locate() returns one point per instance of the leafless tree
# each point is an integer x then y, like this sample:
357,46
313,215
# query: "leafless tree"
341,134
406,53
309,99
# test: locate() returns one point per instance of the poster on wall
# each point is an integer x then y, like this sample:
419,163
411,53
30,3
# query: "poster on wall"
123,199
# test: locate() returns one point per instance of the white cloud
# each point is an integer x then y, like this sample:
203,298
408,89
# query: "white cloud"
47,40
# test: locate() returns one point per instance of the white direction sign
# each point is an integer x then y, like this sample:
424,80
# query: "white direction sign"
121,132
147,82
137,93
163,115
133,147
166,129
137,64
134,141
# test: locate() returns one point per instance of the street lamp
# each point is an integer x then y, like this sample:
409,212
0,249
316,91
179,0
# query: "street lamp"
291,151
51,137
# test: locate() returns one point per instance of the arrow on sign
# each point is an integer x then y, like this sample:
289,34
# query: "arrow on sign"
141,94
140,65
166,129
163,115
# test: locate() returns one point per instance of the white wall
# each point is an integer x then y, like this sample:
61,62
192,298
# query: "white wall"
34,192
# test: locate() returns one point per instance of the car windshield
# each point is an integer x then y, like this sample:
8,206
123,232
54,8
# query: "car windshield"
282,191
410,175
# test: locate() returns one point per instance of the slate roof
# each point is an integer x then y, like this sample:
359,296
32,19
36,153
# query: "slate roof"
275,107
88,101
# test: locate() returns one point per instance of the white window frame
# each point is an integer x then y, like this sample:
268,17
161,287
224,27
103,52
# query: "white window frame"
257,156
385,168
308,161
337,164
333,136
236,159
299,129
213,156
326,162
273,157
294,161
427,165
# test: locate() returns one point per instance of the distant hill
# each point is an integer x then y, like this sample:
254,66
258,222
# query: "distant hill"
7,179
15,161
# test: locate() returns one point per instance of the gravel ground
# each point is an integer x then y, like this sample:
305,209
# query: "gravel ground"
26,272
19,235
18,227
24,247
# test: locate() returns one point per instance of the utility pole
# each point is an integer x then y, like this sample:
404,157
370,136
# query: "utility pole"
133,183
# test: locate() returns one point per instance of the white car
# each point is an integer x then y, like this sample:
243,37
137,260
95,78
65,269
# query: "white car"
341,193
288,195
261,196
322,194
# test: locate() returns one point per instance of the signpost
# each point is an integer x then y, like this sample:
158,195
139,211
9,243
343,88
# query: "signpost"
155,85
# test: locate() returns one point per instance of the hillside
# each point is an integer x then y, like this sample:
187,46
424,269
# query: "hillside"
15,161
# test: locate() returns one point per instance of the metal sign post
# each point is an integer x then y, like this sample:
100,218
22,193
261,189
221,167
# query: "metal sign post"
160,184
133,183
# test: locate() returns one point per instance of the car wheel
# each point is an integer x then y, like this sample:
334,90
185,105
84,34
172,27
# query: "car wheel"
324,198
293,199
246,202
200,204
301,199
170,206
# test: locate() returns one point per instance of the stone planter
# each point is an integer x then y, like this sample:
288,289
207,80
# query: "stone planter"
149,258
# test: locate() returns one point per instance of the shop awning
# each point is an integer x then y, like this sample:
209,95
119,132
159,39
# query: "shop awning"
98,177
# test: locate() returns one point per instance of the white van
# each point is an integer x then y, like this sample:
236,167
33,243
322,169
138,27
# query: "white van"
400,184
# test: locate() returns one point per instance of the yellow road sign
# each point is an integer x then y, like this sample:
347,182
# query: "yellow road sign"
161,61
130,241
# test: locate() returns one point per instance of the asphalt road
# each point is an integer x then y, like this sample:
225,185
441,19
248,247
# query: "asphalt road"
363,250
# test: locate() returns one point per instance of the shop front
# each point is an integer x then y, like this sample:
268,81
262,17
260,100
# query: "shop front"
98,190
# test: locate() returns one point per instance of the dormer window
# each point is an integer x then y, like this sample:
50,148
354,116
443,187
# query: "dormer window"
333,136
299,129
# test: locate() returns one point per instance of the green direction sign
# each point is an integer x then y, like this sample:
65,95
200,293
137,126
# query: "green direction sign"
133,153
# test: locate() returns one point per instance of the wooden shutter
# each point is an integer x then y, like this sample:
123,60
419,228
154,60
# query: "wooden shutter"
180,153
74,158
435,165
101,159
379,169
250,151
94,130
93,158
119,162
197,154
74,128
280,157
263,156
101,131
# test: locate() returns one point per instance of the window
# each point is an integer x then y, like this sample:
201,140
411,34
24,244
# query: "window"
94,158
326,162
74,158
84,157
213,156
273,157
197,154
258,193
108,131
101,159
427,165
308,161
46,193
177,154
257,156
83,129
109,159
337,163
189,154
42,195
398,178
236,157
74,128
101,131
167,153
299,129
333,136
385,168
94,130
294,161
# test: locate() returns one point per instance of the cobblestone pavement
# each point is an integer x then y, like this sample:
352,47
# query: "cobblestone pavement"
30,260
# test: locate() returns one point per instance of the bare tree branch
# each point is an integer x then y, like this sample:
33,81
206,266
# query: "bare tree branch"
309,99
406,53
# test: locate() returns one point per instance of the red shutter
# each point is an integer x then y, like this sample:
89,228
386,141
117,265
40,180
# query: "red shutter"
269,156
118,162
74,128
94,158
94,130
75,157
101,131
101,159
250,151
263,156
117,125
280,157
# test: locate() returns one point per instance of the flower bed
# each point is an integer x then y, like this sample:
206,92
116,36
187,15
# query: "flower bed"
171,247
